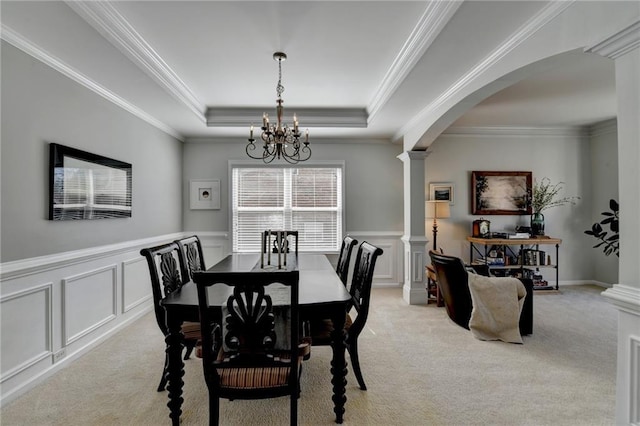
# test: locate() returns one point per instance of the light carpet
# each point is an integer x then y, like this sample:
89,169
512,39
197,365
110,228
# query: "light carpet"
420,369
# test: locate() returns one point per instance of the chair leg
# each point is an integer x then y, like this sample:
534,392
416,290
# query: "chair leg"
294,411
352,347
214,410
163,380
189,344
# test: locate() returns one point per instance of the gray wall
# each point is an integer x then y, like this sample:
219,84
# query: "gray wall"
559,155
39,106
373,180
604,167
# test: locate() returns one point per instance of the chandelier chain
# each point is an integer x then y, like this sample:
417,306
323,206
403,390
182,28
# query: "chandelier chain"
279,87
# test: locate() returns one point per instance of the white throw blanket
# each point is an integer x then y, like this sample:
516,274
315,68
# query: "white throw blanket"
497,304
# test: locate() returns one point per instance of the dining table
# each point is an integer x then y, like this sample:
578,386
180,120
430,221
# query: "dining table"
322,295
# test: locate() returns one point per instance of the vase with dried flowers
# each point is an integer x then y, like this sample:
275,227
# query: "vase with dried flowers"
545,196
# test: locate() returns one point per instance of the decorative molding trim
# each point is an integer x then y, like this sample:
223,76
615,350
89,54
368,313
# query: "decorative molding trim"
407,156
126,308
20,42
378,234
313,117
634,385
66,339
429,26
626,298
47,289
604,128
34,265
542,18
418,266
513,131
106,19
619,44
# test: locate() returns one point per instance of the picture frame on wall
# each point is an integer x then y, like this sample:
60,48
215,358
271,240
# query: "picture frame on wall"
204,194
441,191
501,193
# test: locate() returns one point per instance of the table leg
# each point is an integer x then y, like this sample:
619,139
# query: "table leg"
338,365
175,344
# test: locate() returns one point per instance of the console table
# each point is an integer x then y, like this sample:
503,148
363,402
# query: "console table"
523,263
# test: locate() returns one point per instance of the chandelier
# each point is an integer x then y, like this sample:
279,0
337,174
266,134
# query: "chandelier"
280,140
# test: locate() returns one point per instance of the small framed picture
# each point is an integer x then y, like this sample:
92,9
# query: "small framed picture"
442,191
204,194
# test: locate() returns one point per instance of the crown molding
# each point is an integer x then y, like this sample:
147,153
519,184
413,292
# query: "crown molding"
532,26
105,18
604,128
618,44
311,117
515,131
431,23
17,40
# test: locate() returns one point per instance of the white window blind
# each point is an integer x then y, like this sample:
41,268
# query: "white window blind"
305,199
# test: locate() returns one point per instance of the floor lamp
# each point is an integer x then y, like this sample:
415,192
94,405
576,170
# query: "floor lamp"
437,210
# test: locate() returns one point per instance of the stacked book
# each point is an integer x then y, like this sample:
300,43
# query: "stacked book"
518,235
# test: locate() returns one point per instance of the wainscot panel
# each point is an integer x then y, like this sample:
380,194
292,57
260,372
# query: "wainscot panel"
56,308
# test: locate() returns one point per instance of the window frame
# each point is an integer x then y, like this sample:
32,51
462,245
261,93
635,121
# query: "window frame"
307,164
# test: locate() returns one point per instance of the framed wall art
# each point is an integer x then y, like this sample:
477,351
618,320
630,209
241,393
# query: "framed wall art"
204,194
500,193
441,191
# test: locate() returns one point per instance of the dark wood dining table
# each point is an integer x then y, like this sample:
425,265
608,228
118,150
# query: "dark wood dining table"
322,295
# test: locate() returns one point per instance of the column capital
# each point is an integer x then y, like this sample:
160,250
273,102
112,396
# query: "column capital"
413,155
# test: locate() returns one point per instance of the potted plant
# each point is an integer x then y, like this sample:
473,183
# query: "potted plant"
609,243
545,196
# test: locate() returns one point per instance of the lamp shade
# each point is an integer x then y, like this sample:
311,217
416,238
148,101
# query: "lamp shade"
438,209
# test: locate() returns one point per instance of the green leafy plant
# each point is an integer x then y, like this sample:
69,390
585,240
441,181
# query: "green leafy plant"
609,243
545,195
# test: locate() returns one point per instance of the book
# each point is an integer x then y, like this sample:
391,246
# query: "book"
518,235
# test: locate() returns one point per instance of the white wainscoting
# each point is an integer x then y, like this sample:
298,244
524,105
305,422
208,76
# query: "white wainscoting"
56,308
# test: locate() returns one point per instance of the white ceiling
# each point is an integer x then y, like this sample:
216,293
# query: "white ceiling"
168,61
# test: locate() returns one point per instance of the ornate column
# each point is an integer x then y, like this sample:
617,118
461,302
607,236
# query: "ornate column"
415,242
624,48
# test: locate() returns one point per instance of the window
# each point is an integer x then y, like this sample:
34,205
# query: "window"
306,199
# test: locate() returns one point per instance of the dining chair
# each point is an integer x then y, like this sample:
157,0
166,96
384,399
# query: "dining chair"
360,292
193,259
247,345
168,275
276,238
344,259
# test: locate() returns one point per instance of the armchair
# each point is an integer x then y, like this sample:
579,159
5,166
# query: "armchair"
453,280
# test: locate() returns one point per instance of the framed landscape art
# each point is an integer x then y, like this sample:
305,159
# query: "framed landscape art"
441,191
500,193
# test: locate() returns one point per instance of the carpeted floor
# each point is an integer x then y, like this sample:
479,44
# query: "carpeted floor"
420,369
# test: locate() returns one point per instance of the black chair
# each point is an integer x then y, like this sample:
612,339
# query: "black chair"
360,291
167,275
452,279
344,259
244,357
192,255
277,239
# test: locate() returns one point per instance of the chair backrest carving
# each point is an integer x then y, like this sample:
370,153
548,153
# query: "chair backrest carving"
342,268
192,255
166,273
247,325
272,239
